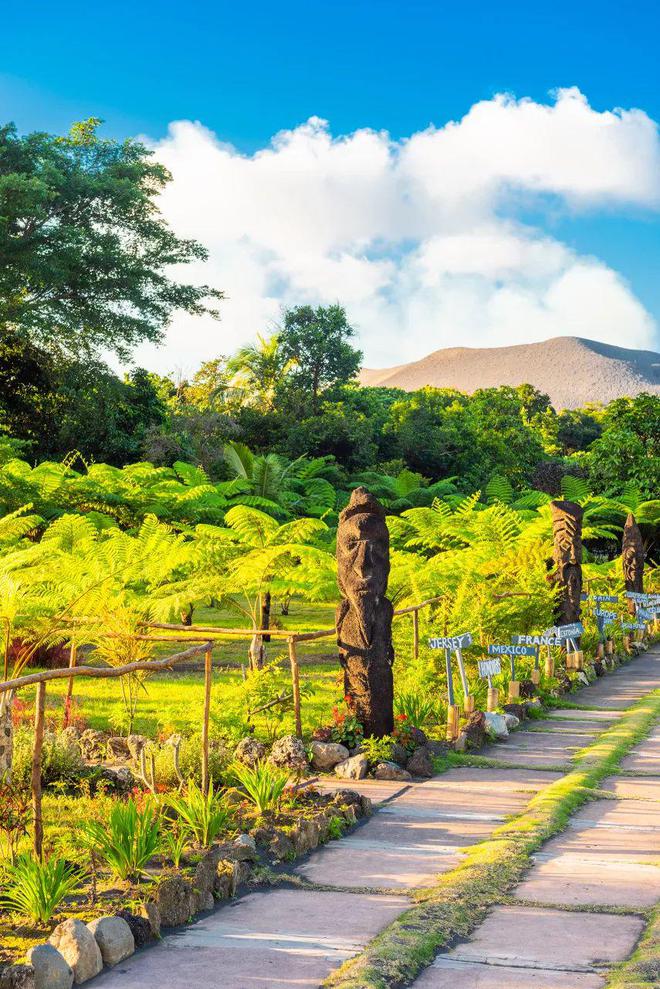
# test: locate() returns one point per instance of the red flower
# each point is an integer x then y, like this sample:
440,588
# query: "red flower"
402,717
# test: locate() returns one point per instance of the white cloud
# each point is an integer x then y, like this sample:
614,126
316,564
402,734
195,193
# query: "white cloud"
418,238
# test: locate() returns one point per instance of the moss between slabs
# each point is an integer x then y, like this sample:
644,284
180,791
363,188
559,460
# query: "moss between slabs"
642,970
460,900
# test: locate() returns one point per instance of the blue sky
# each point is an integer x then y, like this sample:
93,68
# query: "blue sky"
248,70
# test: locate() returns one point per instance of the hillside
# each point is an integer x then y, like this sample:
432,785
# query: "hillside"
571,370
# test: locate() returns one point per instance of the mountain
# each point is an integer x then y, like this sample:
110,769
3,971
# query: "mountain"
571,370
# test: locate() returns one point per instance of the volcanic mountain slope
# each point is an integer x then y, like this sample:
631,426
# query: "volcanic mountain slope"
571,370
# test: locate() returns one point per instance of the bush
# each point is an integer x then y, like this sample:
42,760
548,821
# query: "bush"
417,707
190,762
127,840
263,784
378,749
35,889
61,761
202,816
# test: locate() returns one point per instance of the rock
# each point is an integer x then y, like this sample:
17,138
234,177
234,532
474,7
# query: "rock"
281,847
461,743
117,748
140,927
51,971
289,753
135,745
438,748
418,737
204,881
367,806
114,938
398,755
71,734
420,763
305,836
582,678
250,751
150,912
77,945
496,725
326,755
349,814
517,709
175,901
206,903
119,780
224,876
599,669
511,721
348,798
245,848
21,977
353,768
475,730
92,744
240,874
387,770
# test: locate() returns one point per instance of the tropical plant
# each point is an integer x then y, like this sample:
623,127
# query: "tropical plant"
127,839
377,749
202,816
263,783
15,817
417,707
35,889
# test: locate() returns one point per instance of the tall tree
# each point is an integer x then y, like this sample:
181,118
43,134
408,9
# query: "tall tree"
256,370
317,342
84,249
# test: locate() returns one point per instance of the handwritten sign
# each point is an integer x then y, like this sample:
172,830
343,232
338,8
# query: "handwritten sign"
644,598
634,625
452,642
607,616
535,640
489,667
511,650
610,598
572,631
644,614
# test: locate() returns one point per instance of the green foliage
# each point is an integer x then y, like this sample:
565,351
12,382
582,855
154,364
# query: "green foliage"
202,816
61,762
417,707
35,889
126,840
84,250
628,451
263,784
377,749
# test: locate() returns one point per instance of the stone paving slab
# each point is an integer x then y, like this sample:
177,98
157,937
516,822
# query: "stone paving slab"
550,939
540,741
577,880
447,973
646,756
623,686
490,780
632,789
628,815
377,790
258,942
502,752
568,726
572,714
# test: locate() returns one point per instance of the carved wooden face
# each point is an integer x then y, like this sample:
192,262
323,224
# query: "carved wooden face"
363,556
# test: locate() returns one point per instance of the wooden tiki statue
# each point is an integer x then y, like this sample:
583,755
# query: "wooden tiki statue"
632,559
567,555
364,614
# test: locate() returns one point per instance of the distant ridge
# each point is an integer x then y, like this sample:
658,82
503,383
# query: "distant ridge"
571,370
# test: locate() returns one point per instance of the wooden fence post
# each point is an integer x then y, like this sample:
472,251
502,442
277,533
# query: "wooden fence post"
208,676
295,681
415,615
37,818
73,658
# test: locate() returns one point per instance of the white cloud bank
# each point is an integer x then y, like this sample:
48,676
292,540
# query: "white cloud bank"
417,238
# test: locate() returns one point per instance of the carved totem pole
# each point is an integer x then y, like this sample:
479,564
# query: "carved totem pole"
567,554
632,559
364,615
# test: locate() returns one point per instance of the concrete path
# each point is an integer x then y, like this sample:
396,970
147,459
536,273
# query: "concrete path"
293,937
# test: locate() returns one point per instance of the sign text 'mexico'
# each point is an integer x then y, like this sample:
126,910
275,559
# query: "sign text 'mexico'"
489,667
535,640
451,641
511,650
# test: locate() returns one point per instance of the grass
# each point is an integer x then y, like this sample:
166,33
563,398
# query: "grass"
460,900
642,969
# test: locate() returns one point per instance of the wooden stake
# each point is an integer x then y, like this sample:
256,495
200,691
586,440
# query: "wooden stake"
208,677
415,615
549,664
73,658
37,819
536,676
468,704
514,690
295,681
453,715
493,699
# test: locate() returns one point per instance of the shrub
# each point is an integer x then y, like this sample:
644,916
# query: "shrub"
417,707
35,889
201,815
263,784
61,761
378,749
190,761
127,840
15,816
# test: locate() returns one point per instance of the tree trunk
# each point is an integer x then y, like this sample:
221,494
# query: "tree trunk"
265,613
257,652
187,615
6,735
284,606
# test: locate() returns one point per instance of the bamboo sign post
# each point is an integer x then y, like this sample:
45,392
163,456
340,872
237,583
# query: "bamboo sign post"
537,641
512,651
490,668
453,643
568,635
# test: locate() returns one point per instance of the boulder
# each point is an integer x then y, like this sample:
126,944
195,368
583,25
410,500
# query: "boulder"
475,730
114,938
135,745
17,977
93,743
71,734
175,901
348,798
387,770
244,848
438,748
77,945
353,768
150,912
222,884
240,874
51,971
203,881
289,753
517,709
281,847
599,669
305,836
496,725
141,926
418,736
366,805
420,763
250,751
399,755
582,678
326,755
511,721
117,748
118,780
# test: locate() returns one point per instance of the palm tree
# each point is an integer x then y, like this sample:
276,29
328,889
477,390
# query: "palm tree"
256,370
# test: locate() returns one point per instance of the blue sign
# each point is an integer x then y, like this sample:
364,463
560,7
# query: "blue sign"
511,650
452,642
